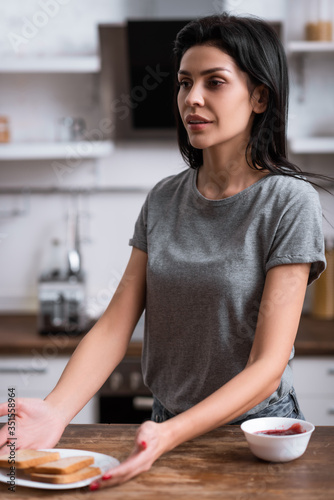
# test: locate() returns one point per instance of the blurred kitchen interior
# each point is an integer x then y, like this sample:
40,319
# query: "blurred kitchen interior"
35,102
58,194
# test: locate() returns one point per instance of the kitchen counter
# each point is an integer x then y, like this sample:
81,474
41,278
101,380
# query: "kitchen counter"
216,465
18,336
315,337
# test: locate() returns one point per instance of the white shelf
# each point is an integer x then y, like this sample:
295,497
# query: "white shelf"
312,145
304,46
66,64
56,150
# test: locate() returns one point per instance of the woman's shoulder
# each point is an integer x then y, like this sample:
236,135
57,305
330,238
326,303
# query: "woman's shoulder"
169,184
291,186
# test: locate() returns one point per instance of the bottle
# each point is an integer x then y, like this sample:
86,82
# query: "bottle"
4,129
319,23
323,297
311,26
56,264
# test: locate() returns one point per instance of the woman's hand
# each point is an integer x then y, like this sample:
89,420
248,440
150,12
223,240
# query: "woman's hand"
37,425
150,443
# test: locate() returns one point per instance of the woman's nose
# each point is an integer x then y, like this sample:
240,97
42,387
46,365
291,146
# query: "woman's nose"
195,96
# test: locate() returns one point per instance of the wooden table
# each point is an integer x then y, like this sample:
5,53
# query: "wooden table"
217,465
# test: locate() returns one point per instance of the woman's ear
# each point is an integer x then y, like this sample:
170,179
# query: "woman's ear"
260,98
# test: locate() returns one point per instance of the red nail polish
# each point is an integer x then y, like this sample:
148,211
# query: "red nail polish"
143,445
107,476
94,486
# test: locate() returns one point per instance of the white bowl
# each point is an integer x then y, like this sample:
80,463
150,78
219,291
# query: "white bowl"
276,448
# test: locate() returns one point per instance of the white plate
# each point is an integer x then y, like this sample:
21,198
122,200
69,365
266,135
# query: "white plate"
105,462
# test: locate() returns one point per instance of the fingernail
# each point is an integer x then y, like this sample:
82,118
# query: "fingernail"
94,486
143,445
107,476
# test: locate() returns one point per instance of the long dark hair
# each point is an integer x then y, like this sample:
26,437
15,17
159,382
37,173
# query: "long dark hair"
258,51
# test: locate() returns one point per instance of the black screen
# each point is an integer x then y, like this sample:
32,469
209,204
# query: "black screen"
152,72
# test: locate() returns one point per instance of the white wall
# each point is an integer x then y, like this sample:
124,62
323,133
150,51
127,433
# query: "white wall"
69,26
35,103
55,26
271,9
106,222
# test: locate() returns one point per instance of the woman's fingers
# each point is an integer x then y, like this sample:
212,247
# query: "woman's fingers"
36,425
3,409
139,461
4,431
148,447
130,468
3,439
143,445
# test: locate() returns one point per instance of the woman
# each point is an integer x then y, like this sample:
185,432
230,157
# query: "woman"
222,254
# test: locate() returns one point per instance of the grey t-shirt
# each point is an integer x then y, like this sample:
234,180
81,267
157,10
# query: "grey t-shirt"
207,264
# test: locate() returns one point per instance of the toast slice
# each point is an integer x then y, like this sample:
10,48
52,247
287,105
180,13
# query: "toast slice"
29,458
79,475
63,465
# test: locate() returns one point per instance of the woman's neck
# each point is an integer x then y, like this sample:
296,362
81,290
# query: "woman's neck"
225,173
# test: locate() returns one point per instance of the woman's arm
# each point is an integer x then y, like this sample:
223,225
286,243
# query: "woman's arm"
277,326
40,423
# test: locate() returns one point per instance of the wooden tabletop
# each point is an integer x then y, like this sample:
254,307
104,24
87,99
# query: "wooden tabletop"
218,465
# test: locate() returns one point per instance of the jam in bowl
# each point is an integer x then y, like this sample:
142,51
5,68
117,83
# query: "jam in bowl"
277,439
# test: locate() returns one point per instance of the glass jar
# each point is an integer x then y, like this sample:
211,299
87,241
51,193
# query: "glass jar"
311,25
4,129
318,26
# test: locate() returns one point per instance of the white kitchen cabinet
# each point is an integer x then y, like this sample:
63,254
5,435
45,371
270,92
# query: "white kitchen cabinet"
45,64
55,77
314,384
55,150
307,47
34,377
299,52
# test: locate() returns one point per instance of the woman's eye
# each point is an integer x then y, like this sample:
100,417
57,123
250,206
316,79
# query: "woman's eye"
216,83
184,83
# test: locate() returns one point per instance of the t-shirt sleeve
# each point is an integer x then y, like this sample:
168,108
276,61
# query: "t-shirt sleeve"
139,239
299,236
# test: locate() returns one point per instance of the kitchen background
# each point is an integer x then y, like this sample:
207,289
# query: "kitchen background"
51,72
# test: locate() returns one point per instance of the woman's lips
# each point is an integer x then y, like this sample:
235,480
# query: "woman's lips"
198,126
197,122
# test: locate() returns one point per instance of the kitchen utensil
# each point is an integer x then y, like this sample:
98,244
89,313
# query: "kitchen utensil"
71,129
74,257
78,129
62,294
61,306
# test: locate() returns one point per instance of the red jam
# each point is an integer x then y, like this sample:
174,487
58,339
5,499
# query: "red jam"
294,429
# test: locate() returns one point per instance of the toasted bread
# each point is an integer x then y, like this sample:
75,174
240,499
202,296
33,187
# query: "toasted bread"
29,458
66,478
63,465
